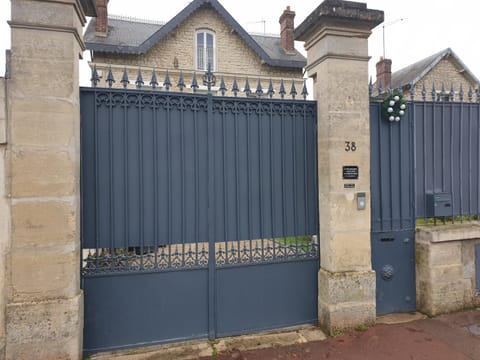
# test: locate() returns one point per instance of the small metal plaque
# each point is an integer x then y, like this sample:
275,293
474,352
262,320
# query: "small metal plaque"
350,172
349,186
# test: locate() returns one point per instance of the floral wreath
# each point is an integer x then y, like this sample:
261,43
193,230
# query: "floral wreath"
394,107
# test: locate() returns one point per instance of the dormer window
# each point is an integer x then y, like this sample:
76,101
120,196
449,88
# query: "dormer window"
205,50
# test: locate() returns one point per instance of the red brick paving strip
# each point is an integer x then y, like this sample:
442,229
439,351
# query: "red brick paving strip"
443,338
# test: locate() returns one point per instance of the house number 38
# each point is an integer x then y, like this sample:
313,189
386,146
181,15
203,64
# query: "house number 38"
350,146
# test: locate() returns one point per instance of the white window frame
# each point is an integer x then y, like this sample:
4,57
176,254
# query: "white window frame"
204,53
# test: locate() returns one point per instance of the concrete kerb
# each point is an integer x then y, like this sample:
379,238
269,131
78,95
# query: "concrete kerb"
203,348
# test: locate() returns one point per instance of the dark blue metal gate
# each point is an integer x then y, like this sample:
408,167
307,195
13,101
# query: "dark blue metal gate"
393,211
199,216
425,168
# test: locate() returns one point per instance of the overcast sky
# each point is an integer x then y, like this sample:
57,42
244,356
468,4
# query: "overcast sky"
429,26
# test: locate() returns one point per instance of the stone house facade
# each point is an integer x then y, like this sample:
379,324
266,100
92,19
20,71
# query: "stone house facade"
202,33
440,72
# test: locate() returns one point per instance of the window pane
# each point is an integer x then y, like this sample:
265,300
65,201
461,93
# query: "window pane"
209,41
200,58
210,58
205,50
200,39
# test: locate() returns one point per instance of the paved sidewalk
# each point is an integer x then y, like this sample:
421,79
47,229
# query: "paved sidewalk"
399,336
448,337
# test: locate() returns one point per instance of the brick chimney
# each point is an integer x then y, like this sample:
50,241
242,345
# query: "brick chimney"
286,30
384,72
101,26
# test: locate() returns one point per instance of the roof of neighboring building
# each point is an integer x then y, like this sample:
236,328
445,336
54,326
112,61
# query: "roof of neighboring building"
415,72
128,36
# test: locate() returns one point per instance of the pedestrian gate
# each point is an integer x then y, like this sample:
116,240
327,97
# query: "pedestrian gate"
199,216
393,211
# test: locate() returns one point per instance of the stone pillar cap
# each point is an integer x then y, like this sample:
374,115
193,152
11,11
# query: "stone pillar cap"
339,12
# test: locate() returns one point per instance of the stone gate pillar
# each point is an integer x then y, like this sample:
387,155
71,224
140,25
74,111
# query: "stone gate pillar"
44,314
336,39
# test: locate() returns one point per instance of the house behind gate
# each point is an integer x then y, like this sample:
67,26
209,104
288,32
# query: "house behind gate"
202,34
441,73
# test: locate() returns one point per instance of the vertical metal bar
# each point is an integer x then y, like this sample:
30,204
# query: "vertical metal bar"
224,187
96,190
282,142
169,180
443,145
305,173
111,181
424,159
294,163
400,155
211,222
378,124
478,161
197,179
433,152
183,175
469,161
390,176
249,180
451,163
272,200
260,173
412,194
460,127
155,179
237,183
125,179
443,164
140,180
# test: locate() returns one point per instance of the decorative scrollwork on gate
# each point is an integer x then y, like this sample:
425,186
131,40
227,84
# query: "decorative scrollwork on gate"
195,255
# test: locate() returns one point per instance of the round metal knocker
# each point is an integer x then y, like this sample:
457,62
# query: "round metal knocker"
387,272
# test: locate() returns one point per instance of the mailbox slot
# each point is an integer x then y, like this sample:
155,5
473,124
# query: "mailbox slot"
439,204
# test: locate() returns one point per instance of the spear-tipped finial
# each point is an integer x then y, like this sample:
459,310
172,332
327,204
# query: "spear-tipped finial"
95,78
110,80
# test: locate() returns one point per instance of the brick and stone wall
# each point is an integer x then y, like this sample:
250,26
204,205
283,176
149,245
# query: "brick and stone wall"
176,52
445,268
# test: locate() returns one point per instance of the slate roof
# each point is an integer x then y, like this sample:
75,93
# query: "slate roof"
124,36
272,46
415,72
137,37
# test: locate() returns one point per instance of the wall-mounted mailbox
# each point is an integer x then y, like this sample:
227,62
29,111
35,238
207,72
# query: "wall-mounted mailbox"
439,204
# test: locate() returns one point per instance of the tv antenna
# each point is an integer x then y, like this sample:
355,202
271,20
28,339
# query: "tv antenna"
383,29
260,22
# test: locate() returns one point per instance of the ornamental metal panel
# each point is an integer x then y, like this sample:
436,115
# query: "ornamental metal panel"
187,200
